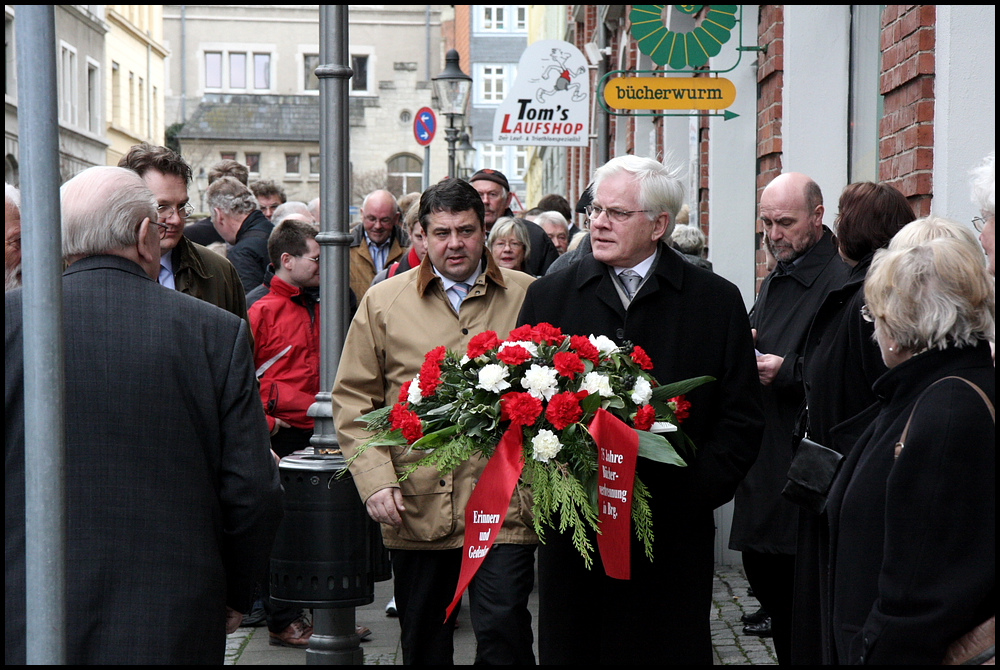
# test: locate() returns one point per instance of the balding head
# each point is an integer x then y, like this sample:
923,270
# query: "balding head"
791,213
106,210
379,214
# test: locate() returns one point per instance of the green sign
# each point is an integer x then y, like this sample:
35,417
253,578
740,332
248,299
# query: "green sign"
681,50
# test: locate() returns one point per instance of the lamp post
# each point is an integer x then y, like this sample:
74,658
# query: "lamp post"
452,88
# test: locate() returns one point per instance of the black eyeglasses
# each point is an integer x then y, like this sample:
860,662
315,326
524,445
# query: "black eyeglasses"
162,226
979,223
615,215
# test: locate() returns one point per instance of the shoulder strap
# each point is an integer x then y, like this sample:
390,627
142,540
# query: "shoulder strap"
906,428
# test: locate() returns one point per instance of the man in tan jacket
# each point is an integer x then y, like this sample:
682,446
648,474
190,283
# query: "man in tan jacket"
423,517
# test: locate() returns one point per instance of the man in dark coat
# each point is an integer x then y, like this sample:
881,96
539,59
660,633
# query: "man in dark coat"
691,322
172,495
243,227
494,189
808,267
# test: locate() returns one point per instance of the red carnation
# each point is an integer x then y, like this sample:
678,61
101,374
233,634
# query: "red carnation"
407,422
547,333
681,407
585,348
645,417
514,355
430,371
521,333
563,410
482,343
641,358
404,392
520,408
567,364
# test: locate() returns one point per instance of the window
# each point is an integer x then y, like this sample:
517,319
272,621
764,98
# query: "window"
67,85
141,96
213,69
511,160
116,94
9,84
405,174
501,18
228,155
493,18
494,83
313,165
310,81
262,71
292,164
359,82
131,100
253,163
93,97
237,70
492,157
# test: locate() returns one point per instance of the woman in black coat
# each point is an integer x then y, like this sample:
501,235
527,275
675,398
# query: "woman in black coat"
840,363
912,528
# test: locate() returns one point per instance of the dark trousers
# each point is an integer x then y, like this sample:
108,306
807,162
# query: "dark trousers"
424,585
772,578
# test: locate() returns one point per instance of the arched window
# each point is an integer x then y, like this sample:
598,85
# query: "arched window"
405,174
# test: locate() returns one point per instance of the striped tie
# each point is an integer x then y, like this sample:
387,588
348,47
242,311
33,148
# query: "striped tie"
630,280
458,293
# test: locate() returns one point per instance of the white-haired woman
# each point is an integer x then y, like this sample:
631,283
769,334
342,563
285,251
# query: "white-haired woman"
912,518
509,243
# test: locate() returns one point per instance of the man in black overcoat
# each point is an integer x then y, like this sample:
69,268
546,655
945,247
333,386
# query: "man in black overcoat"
172,495
691,322
808,268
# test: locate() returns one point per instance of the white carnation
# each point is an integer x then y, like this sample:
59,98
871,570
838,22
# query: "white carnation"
540,381
642,392
413,396
493,378
595,382
465,359
530,346
604,344
545,445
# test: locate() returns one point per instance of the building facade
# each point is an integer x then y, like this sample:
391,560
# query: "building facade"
242,86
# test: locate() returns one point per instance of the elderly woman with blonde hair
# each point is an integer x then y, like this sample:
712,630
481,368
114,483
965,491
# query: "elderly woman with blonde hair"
912,513
509,243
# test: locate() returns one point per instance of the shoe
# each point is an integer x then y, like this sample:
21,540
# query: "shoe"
295,635
754,617
762,629
255,617
390,608
364,632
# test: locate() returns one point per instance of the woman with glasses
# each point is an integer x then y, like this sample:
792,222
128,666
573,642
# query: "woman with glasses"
508,242
912,512
840,363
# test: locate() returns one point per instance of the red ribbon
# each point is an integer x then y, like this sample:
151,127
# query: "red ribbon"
617,451
487,507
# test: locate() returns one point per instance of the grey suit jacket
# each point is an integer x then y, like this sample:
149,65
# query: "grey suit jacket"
173,497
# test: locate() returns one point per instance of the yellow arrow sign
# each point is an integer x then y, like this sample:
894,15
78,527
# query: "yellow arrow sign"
669,93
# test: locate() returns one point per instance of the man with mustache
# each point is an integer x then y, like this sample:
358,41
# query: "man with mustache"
808,267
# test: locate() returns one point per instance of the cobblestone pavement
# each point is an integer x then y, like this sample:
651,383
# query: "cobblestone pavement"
249,646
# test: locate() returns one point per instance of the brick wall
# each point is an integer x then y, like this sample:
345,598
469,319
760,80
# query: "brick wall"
770,79
906,130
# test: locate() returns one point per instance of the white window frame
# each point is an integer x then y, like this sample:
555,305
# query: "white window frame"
483,75
69,84
514,19
372,87
503,158
300,64
94,96
249,51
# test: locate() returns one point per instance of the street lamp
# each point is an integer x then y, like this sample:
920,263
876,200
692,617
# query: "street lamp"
452,88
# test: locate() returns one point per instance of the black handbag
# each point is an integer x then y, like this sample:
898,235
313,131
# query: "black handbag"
811,474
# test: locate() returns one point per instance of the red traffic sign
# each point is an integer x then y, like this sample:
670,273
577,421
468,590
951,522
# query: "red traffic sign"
424,126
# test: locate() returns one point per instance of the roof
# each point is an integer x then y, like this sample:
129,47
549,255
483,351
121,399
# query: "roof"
254,117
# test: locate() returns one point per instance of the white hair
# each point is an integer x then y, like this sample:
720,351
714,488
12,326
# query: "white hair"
552,216
984,187
660,188
688,239
231,196
102,208
928,228
286,209
12,195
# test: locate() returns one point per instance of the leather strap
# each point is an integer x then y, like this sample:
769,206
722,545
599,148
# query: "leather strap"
906,428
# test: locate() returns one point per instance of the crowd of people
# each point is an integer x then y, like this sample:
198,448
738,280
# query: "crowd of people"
873,339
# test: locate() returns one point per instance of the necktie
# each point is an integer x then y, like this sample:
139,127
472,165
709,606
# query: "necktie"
631,280
457,294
